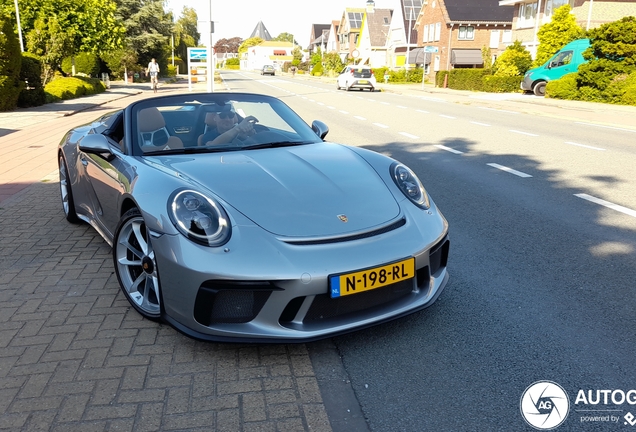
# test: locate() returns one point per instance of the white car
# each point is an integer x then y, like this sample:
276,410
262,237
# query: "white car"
359,77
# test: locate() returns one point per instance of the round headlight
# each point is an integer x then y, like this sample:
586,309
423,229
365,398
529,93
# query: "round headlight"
410,185
199,218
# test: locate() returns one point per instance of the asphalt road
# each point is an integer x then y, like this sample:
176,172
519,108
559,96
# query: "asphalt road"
542,215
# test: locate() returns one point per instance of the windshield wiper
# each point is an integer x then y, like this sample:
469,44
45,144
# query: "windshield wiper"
191,150
276,144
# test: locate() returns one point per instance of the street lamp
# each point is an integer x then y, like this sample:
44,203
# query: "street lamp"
17,15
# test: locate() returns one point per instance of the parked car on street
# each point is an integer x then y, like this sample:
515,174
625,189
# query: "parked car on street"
356,77
566,60
268,70
231,219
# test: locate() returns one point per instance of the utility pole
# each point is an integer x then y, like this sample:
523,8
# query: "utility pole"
17,15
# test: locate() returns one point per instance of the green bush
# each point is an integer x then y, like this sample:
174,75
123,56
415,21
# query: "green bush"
501,84
564,88
10,64
467,79
72,87
440,76
233,62
171,71
85,63
31,74
317,70
514,61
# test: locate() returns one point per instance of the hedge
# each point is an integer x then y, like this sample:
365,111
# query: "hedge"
501,84
10,64
85,63
72,87
31,73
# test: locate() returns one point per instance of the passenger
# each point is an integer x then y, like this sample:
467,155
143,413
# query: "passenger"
228,128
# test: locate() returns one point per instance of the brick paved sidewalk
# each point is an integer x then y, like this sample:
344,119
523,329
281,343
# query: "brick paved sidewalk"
76,357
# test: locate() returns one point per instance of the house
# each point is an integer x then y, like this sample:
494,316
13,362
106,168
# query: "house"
453,33
318,38
403,37
261,31
349,32
530,15
268,52
371,46
333,44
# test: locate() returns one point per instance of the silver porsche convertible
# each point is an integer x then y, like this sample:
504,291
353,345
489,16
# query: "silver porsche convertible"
232,219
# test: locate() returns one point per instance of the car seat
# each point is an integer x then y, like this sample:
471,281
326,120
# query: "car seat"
153,132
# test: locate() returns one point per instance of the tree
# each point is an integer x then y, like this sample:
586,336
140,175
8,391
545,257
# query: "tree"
249,43
612,58
615,41
514,61
185,32
552,36
61,28
148,29
333,62
10,63
228,45
285,37
297,53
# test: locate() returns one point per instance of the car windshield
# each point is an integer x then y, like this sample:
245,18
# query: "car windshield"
211,122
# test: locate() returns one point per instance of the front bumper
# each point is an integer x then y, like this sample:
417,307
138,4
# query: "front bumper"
259,288
526,84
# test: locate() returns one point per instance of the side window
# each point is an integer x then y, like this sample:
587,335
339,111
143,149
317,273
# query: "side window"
561,59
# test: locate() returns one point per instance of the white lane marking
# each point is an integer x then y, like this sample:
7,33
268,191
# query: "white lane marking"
607,204
371,100
408,135
523,133
498,110
359,117
385,103
583,145
422,111
330,107
448,149
607,127
344,112
383,126
509,170
480,124
401,106
447,116
320,103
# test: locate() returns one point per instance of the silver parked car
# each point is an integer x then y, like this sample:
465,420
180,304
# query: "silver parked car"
356,77
232,219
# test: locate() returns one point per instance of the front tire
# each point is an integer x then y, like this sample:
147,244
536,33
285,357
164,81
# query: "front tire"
539,88
136,266
68,203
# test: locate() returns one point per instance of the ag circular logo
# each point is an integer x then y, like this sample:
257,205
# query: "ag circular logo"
545,405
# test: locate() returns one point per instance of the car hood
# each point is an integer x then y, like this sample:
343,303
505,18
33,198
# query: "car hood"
303,191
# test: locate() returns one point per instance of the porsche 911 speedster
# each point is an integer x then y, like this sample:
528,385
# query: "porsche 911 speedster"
232,219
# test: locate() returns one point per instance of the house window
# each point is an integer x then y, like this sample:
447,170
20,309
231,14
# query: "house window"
425,36
438,31
527,14
466,33
507,36
494,39
552,5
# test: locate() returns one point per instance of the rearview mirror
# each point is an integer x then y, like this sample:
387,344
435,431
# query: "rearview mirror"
95,143
320,128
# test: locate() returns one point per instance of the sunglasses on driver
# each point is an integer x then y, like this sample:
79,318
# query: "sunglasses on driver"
226,115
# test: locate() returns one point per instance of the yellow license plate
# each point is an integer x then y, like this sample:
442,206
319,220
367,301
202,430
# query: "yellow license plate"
377,277
362,81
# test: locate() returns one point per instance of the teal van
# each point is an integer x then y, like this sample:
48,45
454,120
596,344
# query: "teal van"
565,61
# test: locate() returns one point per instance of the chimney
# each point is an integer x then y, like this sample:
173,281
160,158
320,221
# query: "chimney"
370,6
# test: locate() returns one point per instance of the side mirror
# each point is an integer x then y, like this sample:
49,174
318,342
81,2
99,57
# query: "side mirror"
320,128
96,144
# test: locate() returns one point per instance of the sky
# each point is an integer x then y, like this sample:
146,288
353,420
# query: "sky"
239,17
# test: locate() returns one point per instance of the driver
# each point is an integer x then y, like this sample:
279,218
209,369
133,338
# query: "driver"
228,128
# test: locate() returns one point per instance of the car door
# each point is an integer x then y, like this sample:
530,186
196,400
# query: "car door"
109,176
